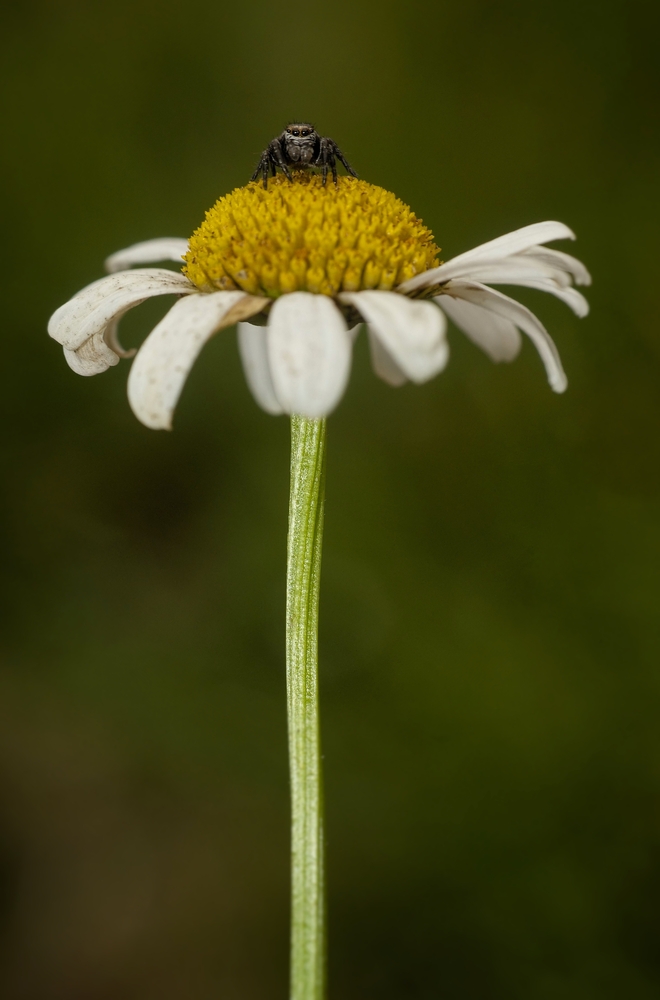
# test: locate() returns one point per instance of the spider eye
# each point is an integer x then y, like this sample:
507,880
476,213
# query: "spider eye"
305,131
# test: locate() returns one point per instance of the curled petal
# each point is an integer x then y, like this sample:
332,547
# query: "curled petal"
526,273
164,361
561,260
519,315
412,332
519,240
497,336
504,246
97,306
253,348
309,352
149,252
92,358
504,270
569,296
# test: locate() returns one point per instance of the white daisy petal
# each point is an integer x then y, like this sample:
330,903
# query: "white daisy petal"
98,305
497,336
384,364
88,296
570,296
163,362
516,313
92,358
505,270
412,333
309,350
519,240
528,273
504,246
253,348
561,260
149,252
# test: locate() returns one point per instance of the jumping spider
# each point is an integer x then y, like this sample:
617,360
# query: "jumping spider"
301,146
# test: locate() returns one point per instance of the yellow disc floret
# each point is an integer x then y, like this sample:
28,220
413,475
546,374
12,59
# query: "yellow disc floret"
301,236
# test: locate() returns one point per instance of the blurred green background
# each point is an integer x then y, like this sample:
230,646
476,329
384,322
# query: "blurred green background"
490,639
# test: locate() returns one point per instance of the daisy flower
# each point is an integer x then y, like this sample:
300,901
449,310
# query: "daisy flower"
299,267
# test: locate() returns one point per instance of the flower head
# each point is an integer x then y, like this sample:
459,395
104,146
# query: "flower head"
299,267
304,237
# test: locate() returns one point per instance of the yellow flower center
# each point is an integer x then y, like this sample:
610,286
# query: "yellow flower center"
302,236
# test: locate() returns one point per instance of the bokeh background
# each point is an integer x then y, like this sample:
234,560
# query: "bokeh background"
490,640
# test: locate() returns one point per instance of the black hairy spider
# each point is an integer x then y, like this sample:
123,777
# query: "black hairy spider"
300,145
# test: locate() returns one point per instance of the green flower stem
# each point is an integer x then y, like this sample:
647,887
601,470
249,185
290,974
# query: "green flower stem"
302,618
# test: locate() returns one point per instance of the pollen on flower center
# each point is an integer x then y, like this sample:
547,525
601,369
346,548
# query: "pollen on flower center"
302,236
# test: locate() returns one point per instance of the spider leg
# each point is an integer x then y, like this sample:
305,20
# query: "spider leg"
323,157
263,160
327,159
340,156
276,154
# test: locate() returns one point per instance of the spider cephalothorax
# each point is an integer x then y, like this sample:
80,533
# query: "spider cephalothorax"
301,146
